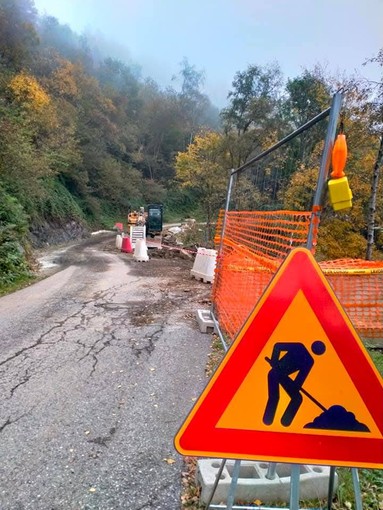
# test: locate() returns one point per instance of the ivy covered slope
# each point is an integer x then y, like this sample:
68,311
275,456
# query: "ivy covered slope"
13,231
83,138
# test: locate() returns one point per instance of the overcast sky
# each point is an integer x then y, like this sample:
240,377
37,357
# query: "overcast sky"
222,37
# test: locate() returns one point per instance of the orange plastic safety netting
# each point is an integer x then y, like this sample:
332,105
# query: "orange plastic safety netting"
254,245
358,284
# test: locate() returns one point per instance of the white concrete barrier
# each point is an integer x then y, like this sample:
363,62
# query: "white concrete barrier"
253,484
118,241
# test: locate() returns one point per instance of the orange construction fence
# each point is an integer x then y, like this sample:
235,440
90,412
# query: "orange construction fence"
254,245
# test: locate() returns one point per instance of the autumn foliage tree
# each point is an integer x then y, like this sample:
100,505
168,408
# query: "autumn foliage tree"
203,167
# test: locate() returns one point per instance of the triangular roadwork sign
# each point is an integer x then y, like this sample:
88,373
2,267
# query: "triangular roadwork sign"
297,385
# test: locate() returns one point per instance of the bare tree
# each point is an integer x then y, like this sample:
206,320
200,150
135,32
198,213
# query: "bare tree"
378,113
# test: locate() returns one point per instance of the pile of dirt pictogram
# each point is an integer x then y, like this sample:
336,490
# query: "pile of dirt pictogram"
337,418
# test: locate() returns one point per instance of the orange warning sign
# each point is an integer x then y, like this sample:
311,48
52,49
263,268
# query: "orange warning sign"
297,385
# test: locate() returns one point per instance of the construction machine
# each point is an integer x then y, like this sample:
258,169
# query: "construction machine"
152,218
137,218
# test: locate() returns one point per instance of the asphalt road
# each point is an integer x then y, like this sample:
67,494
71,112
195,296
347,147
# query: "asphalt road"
99,364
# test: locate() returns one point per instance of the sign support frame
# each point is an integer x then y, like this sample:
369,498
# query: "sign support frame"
294,490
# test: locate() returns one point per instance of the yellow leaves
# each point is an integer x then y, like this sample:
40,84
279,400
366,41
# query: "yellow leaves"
169,460
63,80
204,162
28,92
298,195
337,240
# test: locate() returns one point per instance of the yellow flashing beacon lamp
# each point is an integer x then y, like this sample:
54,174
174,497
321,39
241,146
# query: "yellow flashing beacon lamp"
340,193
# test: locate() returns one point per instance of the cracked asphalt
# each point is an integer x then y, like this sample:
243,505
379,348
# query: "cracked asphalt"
100,362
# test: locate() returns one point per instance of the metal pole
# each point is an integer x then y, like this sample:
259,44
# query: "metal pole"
287,138
227,205
217,479
294,486
252,507
233,485
271,471
336,106
358,495
223,341
220,249
331,483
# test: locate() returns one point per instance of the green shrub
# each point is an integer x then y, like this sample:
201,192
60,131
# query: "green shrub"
13,231
58,203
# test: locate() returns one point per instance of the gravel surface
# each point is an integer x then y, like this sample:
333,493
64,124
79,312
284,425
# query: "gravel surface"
99,364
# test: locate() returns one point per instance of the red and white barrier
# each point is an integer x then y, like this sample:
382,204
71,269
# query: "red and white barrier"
204,265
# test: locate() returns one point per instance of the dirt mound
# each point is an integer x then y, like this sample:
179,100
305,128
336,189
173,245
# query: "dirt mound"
172,253
337,418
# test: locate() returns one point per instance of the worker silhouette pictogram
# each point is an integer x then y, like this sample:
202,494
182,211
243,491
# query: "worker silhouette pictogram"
290,372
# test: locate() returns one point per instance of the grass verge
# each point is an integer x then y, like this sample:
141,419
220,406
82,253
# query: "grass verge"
20,283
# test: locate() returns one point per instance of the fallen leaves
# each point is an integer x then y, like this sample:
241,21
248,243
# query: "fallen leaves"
190,496
169,460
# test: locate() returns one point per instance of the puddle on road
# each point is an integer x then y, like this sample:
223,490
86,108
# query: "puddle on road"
51,260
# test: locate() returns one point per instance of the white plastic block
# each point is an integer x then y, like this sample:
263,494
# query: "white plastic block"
118,241
141,251
204,265
253,484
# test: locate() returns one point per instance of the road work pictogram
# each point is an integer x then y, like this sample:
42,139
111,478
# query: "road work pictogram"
289,371
291,363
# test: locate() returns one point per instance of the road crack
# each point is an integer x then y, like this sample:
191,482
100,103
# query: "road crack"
8,421
25,379
149,346
40,340
95,358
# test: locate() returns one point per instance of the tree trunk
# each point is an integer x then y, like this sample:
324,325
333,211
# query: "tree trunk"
372,205
208,223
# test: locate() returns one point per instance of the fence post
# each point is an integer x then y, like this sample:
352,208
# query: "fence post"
227,205
336,106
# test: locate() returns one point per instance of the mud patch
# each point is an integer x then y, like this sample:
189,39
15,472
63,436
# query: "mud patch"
173,253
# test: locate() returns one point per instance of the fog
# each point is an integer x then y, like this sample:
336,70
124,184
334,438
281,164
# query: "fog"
222,37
